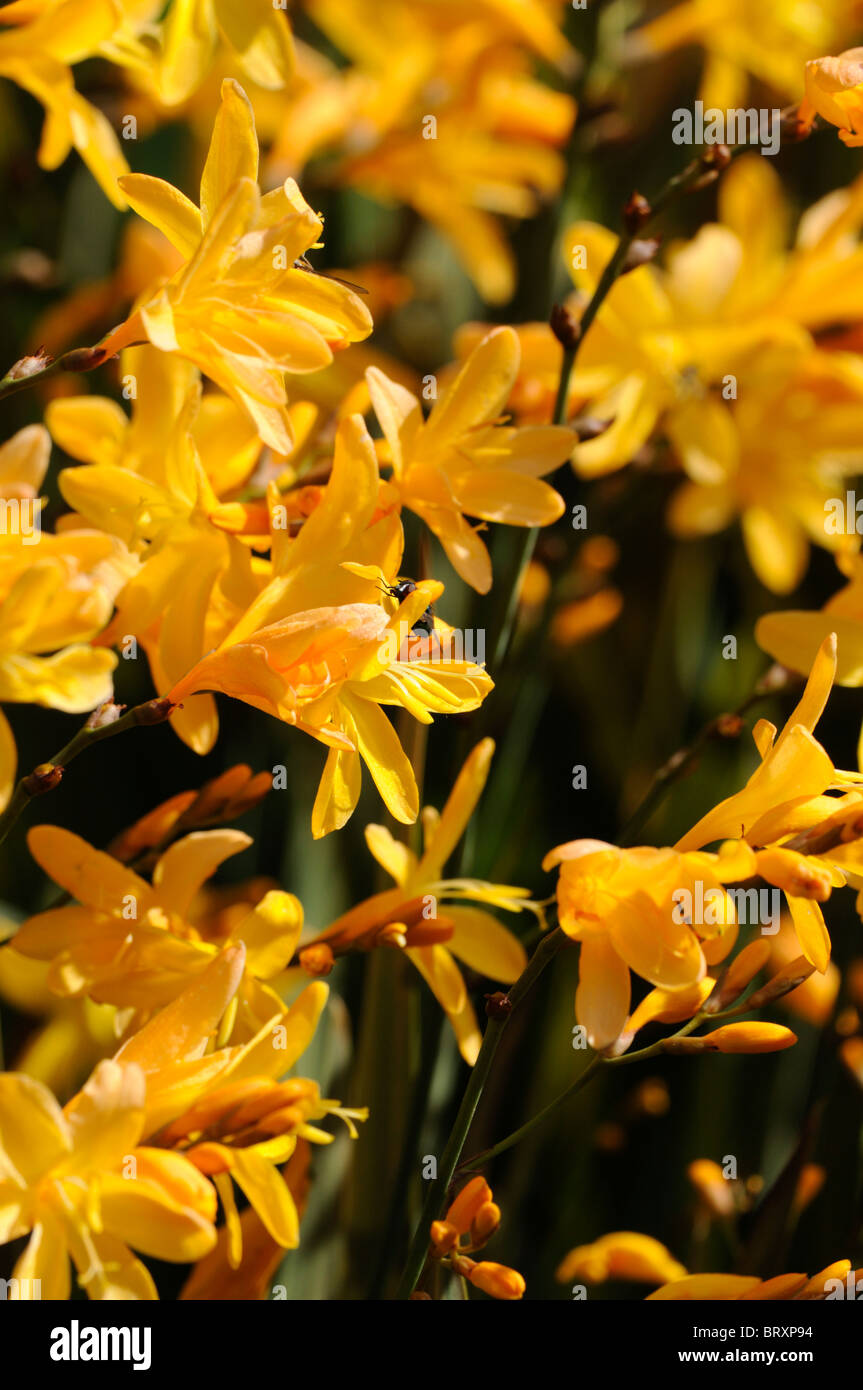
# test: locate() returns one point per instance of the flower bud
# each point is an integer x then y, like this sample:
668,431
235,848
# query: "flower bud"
443,1237
474,1195
740,973
484,1224
497,1280
317,959
790,977
750,1037
792,872
43,778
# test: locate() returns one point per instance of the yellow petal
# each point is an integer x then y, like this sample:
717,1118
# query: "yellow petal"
186,865
166,209
379,747
484,944
602,997
181,1031
811,931
269,1194
460,806
398,860
142,1215
95,879
34,1134
270,933
233,152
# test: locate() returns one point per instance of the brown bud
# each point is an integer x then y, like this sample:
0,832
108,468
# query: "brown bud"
43,778
729,725
637,213
84,359
498,1006
155,711
792,129
565,327
418,1296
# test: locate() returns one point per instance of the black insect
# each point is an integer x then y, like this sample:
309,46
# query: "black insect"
301,263
399,591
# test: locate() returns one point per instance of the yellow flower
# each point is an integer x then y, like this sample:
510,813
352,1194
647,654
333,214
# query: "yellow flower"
166,399
255,34
636,909
460,111
793,766
834,90
463,460
80,1183
221,1110
134,944
242,1132
154,481
240,308
623,906
669,345
794,637
66,1037
767,43
714,1288
434,918
37,53
57,595
620,1255
778,457
330,667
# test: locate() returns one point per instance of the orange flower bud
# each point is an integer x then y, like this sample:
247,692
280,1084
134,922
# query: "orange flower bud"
790,977
742,970
484,1224
474,1195
443,1237
750,1037
795,874
497,1280
719,1193
317,959
809,1184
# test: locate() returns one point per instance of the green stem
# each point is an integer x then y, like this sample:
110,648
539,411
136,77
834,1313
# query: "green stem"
580,1081
48,775
433,1204
76,360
